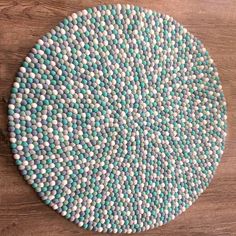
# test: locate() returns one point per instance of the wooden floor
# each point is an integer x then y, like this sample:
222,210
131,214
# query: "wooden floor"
23,22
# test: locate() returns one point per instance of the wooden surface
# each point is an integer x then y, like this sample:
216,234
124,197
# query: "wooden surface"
23,22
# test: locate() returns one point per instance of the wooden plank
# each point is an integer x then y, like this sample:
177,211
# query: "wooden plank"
23,22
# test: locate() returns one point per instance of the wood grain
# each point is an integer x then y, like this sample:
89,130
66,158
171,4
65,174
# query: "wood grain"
23,22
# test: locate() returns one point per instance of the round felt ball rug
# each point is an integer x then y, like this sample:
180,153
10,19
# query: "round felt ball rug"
117,118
